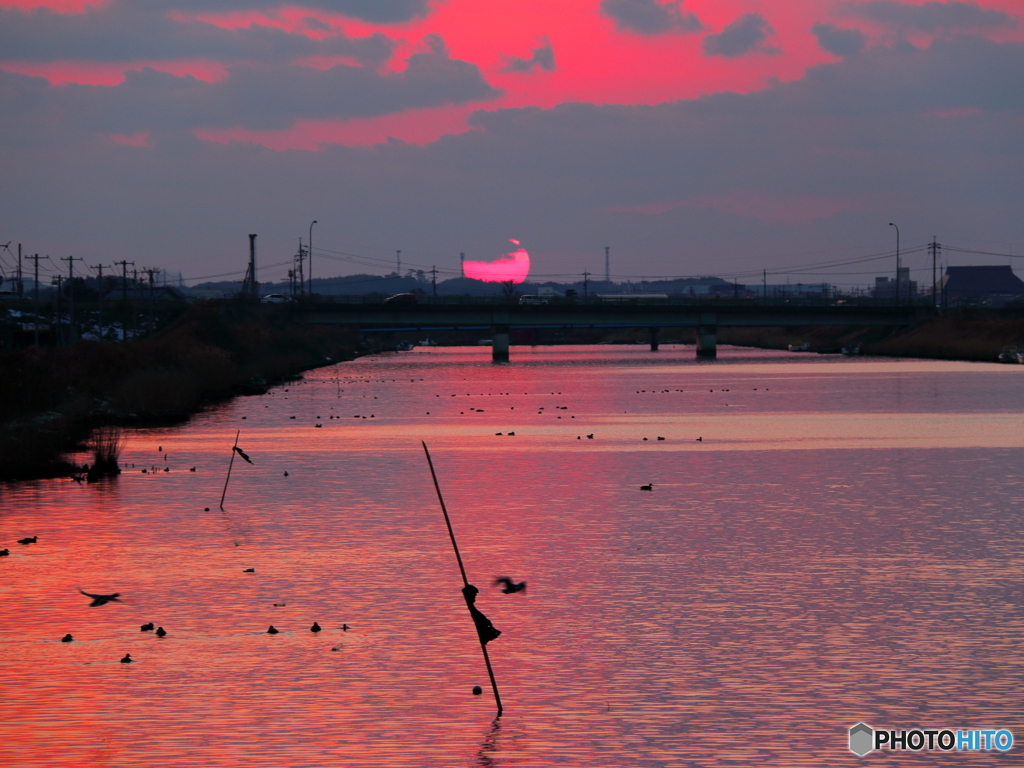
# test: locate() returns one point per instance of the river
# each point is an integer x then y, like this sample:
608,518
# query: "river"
827,540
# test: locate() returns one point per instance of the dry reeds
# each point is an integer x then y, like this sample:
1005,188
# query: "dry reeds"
106,445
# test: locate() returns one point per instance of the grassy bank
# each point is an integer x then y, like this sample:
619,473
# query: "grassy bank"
968,334
50,399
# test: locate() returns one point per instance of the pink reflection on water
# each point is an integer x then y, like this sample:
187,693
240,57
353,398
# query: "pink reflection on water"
747,611
513,267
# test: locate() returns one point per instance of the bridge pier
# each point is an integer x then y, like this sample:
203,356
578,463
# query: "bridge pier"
499,343
654,338
707,342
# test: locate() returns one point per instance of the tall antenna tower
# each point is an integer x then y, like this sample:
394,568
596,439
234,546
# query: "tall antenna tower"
249,285
607,265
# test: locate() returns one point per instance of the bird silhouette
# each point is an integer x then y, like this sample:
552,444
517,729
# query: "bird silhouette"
241,453
161,632
146,627
4,552
127,659
100,599
315,627
28,540
272,630
648,487
510,586
67,638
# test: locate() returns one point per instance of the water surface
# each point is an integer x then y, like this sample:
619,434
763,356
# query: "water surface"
842,543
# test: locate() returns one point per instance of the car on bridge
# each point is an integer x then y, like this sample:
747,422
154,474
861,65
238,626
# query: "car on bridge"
402,298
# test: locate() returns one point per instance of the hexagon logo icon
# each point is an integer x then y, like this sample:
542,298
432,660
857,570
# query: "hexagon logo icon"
861,738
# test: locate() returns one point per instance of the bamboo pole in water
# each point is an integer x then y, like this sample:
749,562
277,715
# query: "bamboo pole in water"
466,585
230,465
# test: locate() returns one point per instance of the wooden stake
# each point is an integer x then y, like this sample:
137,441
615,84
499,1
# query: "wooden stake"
465,581
230,465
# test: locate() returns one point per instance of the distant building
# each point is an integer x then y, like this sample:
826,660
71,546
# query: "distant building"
980,283
886,288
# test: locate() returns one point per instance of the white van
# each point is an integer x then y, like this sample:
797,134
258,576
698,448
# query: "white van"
530,299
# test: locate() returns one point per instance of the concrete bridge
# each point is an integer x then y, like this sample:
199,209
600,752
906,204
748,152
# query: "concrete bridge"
500,315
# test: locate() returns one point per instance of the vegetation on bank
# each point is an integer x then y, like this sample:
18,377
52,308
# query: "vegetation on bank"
961,334
52,398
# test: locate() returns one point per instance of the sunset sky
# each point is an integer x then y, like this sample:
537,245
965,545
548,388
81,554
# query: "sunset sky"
692,138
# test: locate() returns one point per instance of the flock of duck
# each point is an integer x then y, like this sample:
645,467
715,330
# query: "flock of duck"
509,586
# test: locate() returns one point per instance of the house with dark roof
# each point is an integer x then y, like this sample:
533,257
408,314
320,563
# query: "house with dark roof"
981,283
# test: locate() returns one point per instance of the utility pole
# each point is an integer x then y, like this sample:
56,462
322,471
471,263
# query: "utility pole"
71,296
433,278
135,303
586,275
764,285
607,265
934,247
398,256
311,257
21,285
124,277
100,302
60,341
301,276
462,265
152,319
897,263
35,302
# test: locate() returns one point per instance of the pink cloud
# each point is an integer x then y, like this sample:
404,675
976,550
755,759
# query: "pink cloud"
140,139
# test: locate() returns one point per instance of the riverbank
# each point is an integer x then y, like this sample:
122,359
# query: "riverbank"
962,334
51,399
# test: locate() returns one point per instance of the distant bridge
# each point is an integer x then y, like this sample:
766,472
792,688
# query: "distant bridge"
500,315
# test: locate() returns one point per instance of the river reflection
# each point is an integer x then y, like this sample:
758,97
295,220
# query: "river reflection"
841,544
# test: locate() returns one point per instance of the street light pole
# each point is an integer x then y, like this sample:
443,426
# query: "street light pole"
311,257
897,262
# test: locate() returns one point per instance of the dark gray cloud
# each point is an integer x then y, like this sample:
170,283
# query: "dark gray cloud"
542,57
930,16
745,35
651,17
841,42
254,96
127,32
378,11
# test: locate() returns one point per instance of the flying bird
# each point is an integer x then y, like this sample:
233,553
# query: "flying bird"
241,453
510,586
100,599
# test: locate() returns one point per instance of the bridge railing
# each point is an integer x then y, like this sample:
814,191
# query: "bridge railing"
681,301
